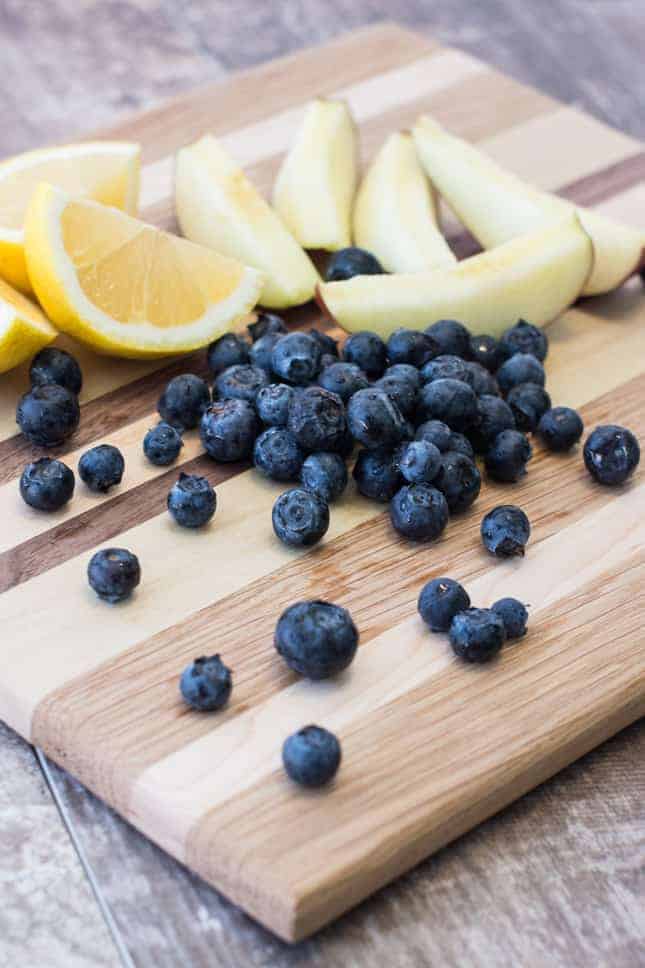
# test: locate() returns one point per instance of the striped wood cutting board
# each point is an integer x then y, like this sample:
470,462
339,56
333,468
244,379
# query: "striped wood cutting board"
431,747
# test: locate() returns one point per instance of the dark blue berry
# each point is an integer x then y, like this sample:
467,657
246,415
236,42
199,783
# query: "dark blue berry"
328,345
493,416
419,461
505,531
560,428
228,430
296,358
226,351
277,454
405,371
451,401
311,756
435,432
162,444
507,456
344,379
445,367
317,419
452,337
316,639
482,382
101,467
525,338
325,474
52,365
192,501
300,518
261,352
367,351
484,349
206,683
46,484
241,382
411,346
514,616
521,368
439,602
184,400
611,454
461,444
459,480
266,323
528,401
401,392
477,634
350,262
374,420
272,404
48,415
113,573
419,512
377,474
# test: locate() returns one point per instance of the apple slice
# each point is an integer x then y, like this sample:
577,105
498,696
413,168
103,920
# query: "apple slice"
534,276
314,189
395,215
219,207
496,205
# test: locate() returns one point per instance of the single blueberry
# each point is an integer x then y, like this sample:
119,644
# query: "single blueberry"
228,429
229,350
278,455
419,461
184,400
206,683
439,602
162,444
311,756
405,371
343,379
611,454
317,419
367,351
507,456
241,382
401,392
525,338
300,518
459,480
521,368
451,401
505,531
493,416
482,382
296,358
528,401
328,345
485,350
452,337
48,415
374,420
272,404
411,346
477,634
445,367
52,365
101,467
514,616
316,639
350,262
377,474
435,432
419,512
560,428
46,484
461,444
113,573
192,501
325,474
266,323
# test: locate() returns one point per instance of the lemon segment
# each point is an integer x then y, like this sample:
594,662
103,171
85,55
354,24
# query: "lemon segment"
23,328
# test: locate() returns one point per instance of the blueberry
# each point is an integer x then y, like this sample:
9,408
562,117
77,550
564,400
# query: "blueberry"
405,371
266,323
611,454
439,602
101,467
325,474
278,455
493,416
507,456
411,346
524,338
419,462
296,358
521,368
272,404
46,484
377,474
300,518
366,350
461,444
505,531
374,420
192,501
528,401
451,401
350,262
316,639
452,337
317,419
228,430
241,382
162,444
344,379
419,512
206,683
485,350
261,352
482,382
328,345
445,367
311,756
401,392
48,415
435,432
184,400
560,428
477,634
52,365
459,480
226,351
514,616
113,573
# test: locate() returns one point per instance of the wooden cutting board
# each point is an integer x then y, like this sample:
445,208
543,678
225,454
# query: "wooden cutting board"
431,746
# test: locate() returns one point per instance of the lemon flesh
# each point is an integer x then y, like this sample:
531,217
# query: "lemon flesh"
23,328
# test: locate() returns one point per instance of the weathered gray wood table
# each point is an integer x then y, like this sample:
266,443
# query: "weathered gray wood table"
557,879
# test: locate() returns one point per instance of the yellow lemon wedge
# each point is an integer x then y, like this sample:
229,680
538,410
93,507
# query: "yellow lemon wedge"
23,328
106,171
126,288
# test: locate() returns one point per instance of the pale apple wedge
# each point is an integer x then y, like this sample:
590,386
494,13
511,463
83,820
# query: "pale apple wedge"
395,214
315,186
535,277
495,205
218,206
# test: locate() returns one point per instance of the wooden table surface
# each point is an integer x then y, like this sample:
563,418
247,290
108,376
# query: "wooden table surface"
558,878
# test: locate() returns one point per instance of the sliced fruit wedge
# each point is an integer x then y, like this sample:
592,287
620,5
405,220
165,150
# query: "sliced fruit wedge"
126,288
496,205
219,207
534,276
395,215
315,186
23,328
107,171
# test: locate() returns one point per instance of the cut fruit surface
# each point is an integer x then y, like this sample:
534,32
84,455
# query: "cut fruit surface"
535,276
395,215
495,205
23,328
219,207
126,288
106,171
315,186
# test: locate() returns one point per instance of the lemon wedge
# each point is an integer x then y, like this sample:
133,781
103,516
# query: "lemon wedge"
107,171
23,328
126,288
